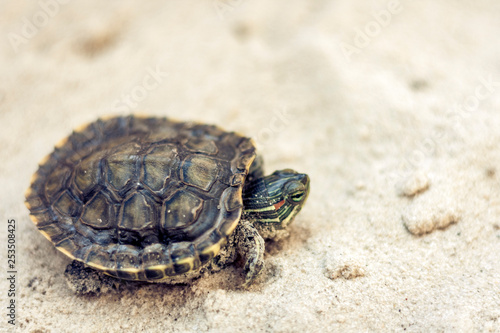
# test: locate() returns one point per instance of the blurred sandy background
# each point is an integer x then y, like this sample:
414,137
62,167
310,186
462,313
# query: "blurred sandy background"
391,107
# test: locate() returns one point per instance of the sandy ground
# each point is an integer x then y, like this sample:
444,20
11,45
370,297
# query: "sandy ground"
391,107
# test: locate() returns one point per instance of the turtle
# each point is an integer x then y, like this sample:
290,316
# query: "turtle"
152,199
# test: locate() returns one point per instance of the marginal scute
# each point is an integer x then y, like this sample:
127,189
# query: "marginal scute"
100,258
40,217
157,262
83,135
232,198
184,259
237,179
210,247
158,165
154,273
199,171
99,212
162,133
247,145
128,262
245,161
128,257
137,213
154,255
33,201
55,180
141,123
67,246
66,205
230,222
181,210
51,230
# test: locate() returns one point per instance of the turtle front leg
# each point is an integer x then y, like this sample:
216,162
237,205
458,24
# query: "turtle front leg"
250,246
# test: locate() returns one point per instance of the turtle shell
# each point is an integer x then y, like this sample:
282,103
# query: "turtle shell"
141,198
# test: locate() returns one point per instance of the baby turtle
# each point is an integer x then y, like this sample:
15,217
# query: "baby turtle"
151,199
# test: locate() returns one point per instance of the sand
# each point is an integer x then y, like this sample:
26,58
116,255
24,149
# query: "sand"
391,107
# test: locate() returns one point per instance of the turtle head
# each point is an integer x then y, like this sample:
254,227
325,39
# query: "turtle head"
275,200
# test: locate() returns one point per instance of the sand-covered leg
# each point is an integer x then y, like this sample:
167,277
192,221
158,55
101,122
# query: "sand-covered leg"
250,246
85,280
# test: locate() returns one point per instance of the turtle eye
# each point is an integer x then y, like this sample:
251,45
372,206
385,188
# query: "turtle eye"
295,191
297,196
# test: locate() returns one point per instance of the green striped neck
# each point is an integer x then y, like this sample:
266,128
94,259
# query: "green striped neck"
276,199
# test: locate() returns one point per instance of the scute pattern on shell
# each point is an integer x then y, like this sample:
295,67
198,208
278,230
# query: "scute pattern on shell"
141,198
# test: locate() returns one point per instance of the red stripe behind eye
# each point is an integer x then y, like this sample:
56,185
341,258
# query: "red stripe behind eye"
279,204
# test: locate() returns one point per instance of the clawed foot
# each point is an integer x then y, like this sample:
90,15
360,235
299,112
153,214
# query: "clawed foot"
251,248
